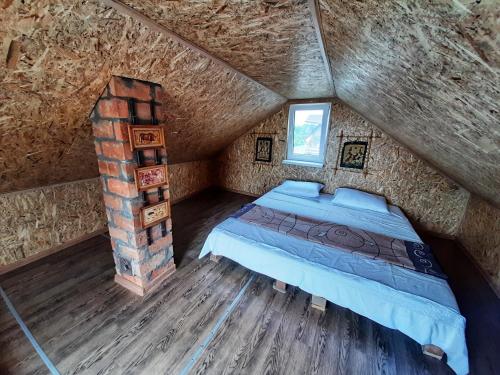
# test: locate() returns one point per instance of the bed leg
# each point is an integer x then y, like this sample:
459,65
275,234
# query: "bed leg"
318,303
433,351
215,258
279,286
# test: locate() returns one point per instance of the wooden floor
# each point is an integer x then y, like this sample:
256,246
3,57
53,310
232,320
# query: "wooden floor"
87,324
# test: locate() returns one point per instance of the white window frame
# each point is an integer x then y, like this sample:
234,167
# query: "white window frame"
306,160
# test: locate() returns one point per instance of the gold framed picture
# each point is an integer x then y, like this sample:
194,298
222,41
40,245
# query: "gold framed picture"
151,177
146,137
154,214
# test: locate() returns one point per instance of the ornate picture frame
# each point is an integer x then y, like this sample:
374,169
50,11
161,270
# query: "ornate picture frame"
146,137
264,149
151,177
155,214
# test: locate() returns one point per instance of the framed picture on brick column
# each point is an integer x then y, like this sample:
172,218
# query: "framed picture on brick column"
151,177
155,214
146,137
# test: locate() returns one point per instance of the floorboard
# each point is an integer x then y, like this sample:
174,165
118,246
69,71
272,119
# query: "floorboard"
87,324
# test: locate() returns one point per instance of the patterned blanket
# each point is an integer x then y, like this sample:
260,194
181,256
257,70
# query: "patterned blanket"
412,255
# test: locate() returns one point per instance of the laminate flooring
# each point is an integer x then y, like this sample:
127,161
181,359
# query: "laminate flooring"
87,324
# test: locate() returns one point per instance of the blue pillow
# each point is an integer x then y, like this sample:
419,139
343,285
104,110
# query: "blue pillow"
300,188
353,198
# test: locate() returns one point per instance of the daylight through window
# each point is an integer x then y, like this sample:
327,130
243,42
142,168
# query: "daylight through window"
307,134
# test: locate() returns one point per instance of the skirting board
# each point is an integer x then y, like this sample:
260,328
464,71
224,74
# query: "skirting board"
42,254
240,192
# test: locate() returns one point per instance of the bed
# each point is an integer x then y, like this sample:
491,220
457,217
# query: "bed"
421,306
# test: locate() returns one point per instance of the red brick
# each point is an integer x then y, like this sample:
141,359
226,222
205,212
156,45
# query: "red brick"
138,239
133,279
109,215
131,253
161,244
103,129
160,95
103,184
166,194
129,88
169,224
161,114
119,151
122,188
155,232
118,234
115,203
109,168
126,223
113,108
149,154
98,150
121,131
128,169
143,111
162,152
114,245
166,268
152,263
152,195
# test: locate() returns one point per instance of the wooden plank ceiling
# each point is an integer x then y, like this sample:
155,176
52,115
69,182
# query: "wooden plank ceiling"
426,74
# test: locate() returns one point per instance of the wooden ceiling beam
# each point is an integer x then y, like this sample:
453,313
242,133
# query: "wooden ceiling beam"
316,17
139,17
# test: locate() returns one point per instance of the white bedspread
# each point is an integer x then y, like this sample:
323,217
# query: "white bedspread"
421,306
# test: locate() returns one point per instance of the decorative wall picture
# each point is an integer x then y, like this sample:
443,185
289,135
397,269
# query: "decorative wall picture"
154,214
353,154
264,149
151,177
145,137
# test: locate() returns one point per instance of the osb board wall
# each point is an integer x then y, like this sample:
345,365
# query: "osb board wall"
427,74
36,220
274,42
189,178
57,56
480,234
429,199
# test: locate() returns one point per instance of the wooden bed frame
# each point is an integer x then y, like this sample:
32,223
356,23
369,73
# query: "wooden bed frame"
319,303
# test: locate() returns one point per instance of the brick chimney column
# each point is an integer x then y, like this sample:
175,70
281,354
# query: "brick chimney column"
143,257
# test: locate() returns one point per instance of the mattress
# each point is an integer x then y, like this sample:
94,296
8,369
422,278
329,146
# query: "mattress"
421,306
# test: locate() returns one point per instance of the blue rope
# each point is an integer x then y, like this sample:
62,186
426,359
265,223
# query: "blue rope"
53,370
214,330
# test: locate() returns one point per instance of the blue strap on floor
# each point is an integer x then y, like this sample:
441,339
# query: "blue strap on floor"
53,370
214,330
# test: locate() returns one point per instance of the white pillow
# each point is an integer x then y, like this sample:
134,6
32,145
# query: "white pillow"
300,188
353,198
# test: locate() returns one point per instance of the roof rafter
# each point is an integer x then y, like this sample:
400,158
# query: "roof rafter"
138,16
316,17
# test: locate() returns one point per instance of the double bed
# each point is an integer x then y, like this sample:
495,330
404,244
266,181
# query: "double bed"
421,306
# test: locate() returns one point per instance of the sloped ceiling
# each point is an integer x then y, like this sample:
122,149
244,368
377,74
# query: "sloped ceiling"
272,41
427,74
59,55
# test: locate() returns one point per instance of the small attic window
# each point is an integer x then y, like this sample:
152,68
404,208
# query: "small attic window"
307,134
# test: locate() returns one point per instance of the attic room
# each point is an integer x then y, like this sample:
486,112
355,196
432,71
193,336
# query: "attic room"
249,187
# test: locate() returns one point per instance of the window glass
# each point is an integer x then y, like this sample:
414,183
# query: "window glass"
307,133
